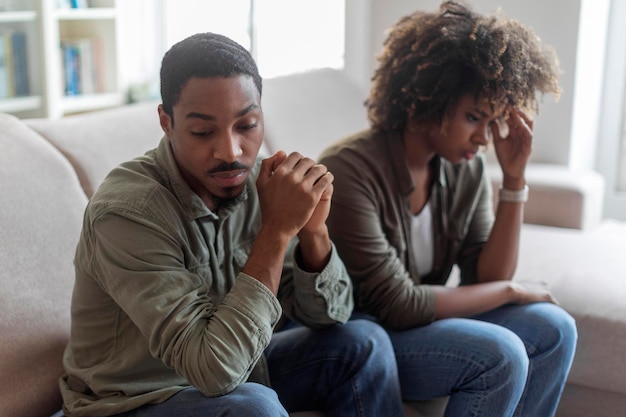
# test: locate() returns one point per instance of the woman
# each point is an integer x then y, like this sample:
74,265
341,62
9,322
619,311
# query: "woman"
412,200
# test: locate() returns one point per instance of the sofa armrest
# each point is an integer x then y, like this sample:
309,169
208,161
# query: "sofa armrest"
558,195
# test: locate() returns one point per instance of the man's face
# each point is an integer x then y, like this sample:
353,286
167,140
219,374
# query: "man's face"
216,135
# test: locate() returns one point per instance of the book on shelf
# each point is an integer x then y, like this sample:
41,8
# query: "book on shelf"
4,71
69,55
20,64
14,79
82,66
79,4
72,4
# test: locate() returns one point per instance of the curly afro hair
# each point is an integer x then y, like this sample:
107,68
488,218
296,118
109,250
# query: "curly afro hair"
430,60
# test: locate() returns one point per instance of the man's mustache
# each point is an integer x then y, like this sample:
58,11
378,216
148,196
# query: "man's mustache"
225,167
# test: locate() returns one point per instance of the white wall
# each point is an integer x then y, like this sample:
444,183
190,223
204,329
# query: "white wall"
359,49
140,39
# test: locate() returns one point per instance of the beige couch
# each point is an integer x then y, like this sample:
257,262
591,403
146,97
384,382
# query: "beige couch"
49,168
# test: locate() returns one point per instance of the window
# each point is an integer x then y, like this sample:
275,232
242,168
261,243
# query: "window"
621,178
284,36
611,161
296,36
182,18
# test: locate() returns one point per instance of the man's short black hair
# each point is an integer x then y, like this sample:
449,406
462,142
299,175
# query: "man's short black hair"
203,55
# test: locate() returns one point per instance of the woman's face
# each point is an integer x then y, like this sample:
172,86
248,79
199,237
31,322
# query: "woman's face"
470,125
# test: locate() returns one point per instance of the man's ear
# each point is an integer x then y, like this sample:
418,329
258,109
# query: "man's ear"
165,120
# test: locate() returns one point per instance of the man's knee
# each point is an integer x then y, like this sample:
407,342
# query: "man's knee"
367,331
368,346
365,336
252,399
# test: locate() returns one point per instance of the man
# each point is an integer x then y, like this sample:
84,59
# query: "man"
185,254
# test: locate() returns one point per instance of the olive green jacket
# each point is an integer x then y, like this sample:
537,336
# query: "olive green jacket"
370,222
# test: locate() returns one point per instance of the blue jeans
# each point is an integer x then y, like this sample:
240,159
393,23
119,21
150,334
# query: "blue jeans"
511,361
345,370
249,399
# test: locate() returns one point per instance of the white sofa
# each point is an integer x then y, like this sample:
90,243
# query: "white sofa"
49,168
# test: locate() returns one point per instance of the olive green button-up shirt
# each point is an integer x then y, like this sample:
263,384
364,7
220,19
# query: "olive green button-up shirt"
160,302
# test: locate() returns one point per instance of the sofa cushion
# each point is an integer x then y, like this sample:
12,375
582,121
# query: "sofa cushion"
307,112
586,271
578,401
40,219
97,142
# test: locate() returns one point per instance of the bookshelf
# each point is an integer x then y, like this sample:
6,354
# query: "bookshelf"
71,52
24,22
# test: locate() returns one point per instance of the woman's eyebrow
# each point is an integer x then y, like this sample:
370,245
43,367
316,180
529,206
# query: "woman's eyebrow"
481,112
248,109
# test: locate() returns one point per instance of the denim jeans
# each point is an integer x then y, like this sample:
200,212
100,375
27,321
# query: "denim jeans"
249,399
345,370
511,361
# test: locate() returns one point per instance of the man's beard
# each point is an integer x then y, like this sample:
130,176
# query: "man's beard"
224,203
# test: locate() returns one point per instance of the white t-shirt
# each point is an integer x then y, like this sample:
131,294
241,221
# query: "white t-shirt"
422,239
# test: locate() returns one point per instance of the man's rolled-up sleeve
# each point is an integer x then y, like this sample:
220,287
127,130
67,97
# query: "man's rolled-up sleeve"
316,299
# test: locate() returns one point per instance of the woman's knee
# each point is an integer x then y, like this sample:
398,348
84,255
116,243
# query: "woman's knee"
477,356
555,328
544,328
562,322
506,351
